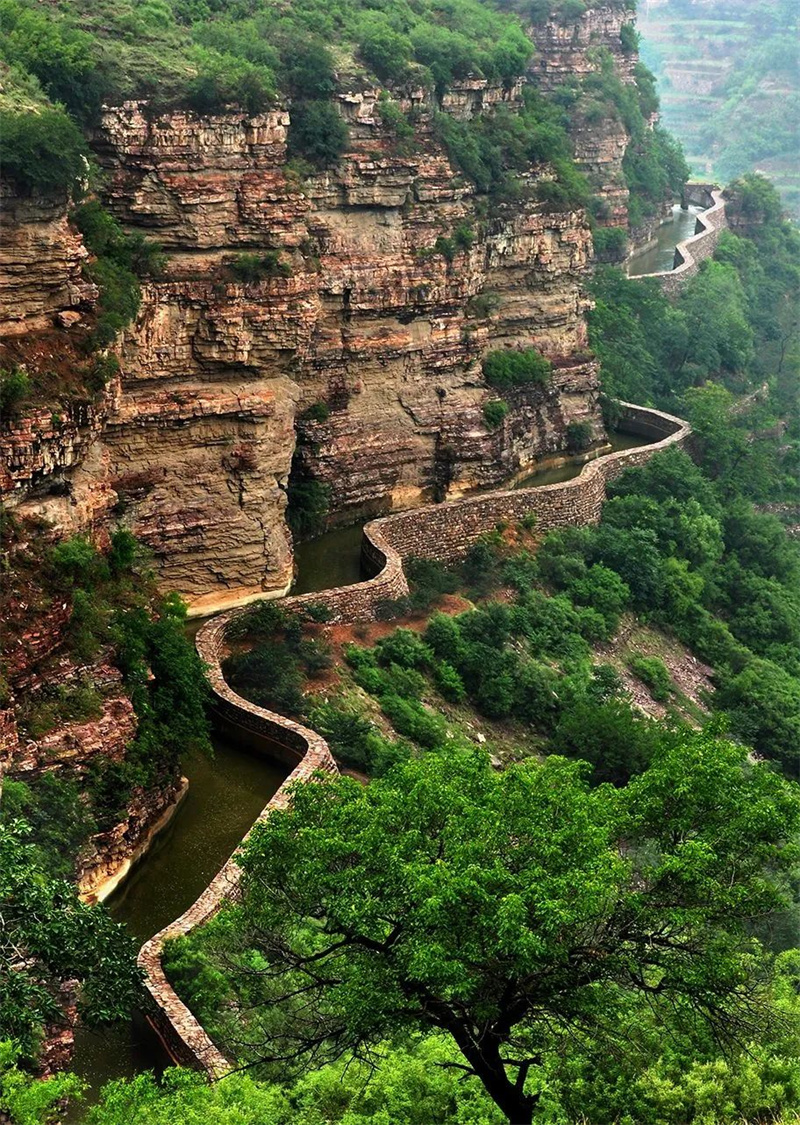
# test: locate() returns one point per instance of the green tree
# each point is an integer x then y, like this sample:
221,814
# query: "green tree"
317,133
42,151
47,938
495,906
27,1100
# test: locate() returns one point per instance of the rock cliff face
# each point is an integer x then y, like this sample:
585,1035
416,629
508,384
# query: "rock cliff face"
566,53
40,265
372,322
196,441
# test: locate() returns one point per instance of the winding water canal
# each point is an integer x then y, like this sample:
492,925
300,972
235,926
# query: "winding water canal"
225,796
660,255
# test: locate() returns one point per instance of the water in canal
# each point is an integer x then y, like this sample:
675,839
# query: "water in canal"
661,255
334,558
617,439
225,796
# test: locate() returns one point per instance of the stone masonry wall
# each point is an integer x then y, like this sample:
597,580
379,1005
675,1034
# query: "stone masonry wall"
442,531
692,251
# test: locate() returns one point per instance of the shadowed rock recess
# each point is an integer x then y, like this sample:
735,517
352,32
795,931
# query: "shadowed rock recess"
444,532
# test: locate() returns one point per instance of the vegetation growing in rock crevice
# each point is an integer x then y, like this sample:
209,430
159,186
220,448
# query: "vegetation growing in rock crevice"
120,260
507,368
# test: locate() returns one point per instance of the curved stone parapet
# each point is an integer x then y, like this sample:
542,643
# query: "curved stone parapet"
692,251
181,1032
440,531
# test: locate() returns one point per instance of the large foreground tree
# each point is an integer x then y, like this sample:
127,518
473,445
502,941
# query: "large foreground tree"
514,910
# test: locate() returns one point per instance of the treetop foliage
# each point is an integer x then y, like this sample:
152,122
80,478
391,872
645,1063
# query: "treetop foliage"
435,898
48,938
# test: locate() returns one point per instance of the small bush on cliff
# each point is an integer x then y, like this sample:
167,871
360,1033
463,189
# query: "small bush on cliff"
224,81
15,387
105,238
509,367
654,674
610,243
42,151
120,260
317,133
251,268
579,436
494,412
317,412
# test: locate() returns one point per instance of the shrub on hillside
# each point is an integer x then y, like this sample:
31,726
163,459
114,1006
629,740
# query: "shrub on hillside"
42,151
654,674
509,367
15,387
579,436
494,412
251,268
317,133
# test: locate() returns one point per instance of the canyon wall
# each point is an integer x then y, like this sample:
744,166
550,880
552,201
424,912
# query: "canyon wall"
567,53
365,320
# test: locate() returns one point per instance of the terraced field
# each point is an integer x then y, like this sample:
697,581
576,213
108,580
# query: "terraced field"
729,79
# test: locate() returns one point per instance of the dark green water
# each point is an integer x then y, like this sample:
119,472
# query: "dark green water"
661,256
225,796
333,559
617,440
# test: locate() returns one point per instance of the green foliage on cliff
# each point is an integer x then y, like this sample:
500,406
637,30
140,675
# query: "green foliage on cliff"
210,56
15,387
509,367
48,938
493,149
120,260
32,1101
114,607
494,412
60,822
43,151
251,268
653,168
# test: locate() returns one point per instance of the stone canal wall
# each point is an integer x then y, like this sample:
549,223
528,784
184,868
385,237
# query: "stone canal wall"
181,1032
692,251
441,531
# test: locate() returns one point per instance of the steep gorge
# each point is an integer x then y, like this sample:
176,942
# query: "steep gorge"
353,361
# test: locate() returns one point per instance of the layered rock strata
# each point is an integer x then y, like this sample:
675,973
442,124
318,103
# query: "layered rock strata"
366,318
372,323
566,54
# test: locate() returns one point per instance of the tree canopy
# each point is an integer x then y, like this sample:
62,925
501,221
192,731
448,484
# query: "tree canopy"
511,910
